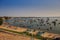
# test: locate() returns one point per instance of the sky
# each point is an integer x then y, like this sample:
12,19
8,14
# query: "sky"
30,8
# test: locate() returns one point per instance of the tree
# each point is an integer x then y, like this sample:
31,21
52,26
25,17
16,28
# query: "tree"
6,17
54,22
47,19
1,21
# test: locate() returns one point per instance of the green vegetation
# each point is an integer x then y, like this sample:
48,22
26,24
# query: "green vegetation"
1,21
10,31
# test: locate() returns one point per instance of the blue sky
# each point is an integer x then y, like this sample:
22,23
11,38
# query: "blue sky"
30,8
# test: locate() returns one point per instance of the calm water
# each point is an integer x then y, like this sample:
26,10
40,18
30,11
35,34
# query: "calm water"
52,24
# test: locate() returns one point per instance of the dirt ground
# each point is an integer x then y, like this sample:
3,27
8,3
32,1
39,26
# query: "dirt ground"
6,36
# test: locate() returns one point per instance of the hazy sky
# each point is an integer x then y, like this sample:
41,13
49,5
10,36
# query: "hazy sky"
30,8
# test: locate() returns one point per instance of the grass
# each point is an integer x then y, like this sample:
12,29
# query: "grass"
11,31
